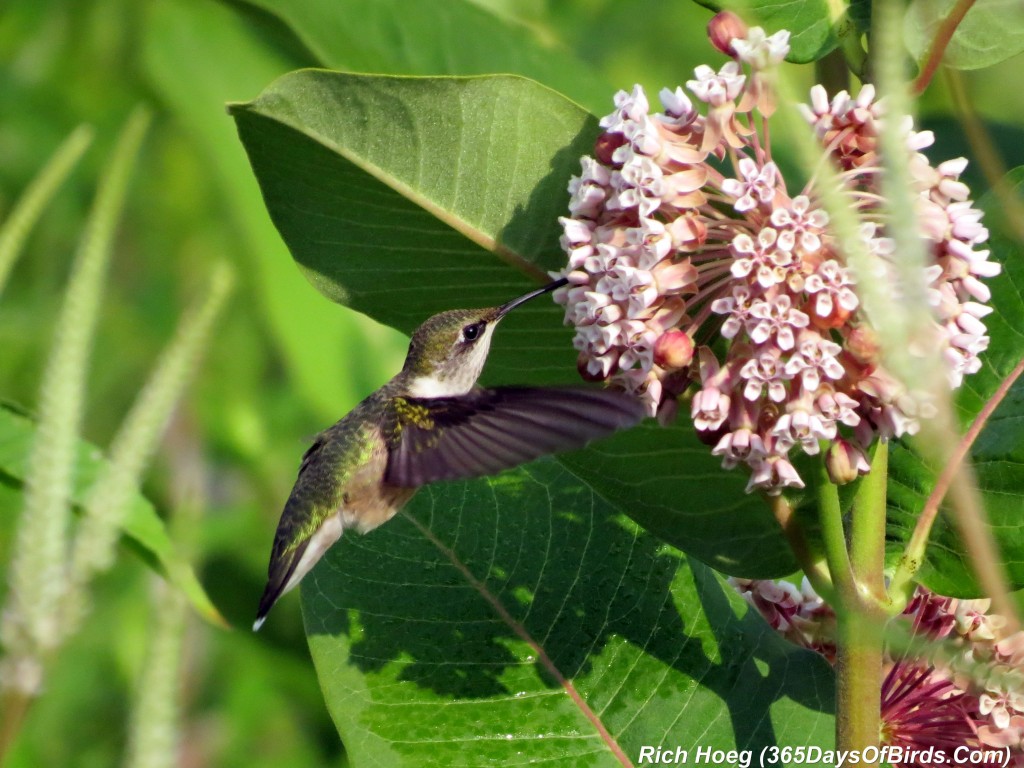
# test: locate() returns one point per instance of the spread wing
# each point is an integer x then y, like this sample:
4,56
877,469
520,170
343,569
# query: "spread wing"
489,430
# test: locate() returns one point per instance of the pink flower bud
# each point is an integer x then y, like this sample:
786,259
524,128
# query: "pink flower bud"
845,462
675,277
606,145
673,350
862,343
723,28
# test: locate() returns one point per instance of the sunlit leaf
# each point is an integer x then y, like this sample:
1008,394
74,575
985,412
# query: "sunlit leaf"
433,37
519,619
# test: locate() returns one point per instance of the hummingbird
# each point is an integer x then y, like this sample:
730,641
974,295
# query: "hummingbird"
428,423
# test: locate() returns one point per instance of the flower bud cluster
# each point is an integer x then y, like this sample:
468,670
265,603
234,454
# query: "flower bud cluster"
682,225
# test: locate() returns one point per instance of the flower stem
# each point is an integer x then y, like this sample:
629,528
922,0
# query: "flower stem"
810,563
867,529
13,709
943,35
834,539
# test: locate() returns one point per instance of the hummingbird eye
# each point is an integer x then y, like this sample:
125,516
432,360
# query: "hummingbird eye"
472,332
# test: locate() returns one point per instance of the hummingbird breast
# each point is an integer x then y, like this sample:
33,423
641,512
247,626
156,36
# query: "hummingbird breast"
367,502
362,499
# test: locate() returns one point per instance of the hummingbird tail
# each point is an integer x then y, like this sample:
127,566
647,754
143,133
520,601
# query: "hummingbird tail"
289,564
280,580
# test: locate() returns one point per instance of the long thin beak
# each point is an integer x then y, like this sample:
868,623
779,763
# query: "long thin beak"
504,309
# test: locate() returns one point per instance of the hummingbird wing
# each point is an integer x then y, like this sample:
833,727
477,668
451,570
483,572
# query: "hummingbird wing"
489,430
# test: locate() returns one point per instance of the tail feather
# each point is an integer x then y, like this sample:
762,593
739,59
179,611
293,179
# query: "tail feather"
288,563
279,574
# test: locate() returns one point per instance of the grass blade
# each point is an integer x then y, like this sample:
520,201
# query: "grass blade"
37,195
137,440
39,566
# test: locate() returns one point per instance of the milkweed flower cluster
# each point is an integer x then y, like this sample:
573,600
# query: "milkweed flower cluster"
973,696
681,224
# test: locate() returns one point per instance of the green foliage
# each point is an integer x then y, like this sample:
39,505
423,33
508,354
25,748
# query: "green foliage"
814,24
998,453
145,530
401,202
30,206
991,32
473,627
431,37
316,343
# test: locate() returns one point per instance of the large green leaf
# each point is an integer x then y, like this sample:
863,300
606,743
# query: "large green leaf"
992,31
998,454
433,37
403,197
142,526
519,619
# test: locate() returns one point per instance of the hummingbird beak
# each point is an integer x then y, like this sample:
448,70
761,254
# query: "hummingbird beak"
504,309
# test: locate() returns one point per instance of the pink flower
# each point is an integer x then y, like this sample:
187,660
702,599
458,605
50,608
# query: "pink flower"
661,242
973,698
755,187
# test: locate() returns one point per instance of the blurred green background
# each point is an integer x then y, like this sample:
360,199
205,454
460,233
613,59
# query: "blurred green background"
284,362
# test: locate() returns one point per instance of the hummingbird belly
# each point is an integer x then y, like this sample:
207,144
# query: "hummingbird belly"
372,505
362,511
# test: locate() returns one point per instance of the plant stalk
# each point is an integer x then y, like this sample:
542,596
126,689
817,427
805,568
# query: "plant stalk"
858,680
811,564
856,565
834,540
867,528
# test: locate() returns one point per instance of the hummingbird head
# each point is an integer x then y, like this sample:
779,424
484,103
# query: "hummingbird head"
447,353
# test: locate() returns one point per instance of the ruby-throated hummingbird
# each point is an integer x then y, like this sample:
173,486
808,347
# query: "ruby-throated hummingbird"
430,422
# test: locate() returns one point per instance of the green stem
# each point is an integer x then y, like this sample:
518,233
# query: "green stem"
858,680
857,570
867,529
833,72
35,198
13,709
811,564
834,538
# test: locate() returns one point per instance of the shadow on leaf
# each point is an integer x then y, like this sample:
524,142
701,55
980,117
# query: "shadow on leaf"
649,638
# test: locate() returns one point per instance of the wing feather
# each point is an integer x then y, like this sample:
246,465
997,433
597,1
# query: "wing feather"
490,430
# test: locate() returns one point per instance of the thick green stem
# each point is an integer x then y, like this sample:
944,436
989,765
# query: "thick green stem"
857,571
833,72
858,680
